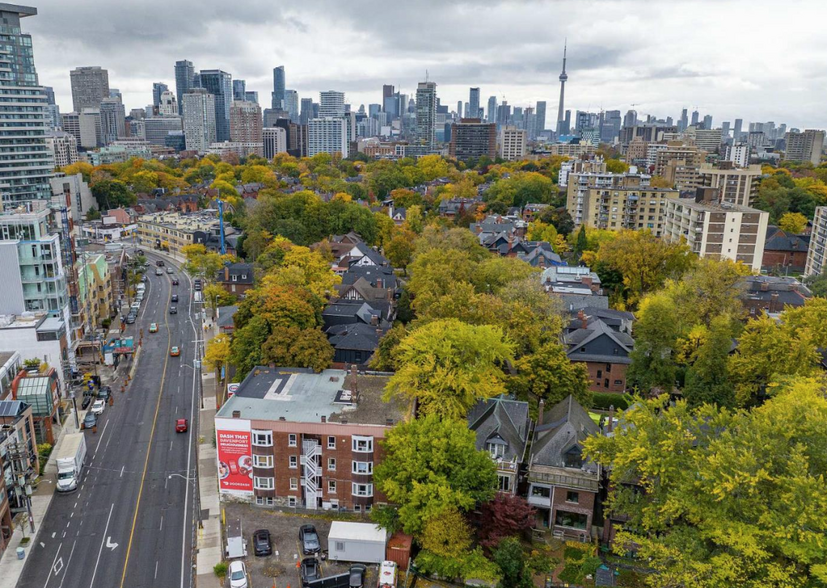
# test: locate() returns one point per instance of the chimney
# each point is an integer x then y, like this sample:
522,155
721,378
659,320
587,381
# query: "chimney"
388,422
374,320
765,286
354,384
226,273
380,283
281,418
540,410
390,294
342,421
236,414
510,242
611,418
324,419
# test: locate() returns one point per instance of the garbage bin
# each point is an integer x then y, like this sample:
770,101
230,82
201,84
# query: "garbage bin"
21,553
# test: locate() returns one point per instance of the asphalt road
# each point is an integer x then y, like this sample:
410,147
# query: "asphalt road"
130,524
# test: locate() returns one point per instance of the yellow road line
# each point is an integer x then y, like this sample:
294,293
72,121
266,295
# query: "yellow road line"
149,448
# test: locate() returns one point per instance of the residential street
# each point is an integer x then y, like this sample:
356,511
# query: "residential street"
131,521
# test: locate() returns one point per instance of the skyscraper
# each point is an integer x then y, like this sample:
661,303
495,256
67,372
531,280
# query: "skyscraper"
90,85
168,105
278,87
736,130
245,122
251,96
219,84
158,88
52,110
199,120
560,107
306,110
492,109
184,75
708,121
695,116
459,109
239,89
387,92
426,115
112,118
331,104
540,114
291,104
474,102
25,161
630,119
684,122
327,135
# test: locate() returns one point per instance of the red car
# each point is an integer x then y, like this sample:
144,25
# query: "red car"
181,426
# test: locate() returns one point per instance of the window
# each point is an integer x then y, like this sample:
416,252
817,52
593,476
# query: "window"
294,483
291,501
357,508
495,450
599,373
263,461
294,461
362,444
362,489
291,440
340,545
331,486
331,464
618,382
263,483
331,442
573,520
541,491
504,483
264,500
362,467
573,497
262,438
608,367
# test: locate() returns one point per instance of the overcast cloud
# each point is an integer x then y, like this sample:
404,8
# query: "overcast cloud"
751,59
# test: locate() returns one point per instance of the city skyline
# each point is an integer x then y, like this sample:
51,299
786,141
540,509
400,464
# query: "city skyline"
609,64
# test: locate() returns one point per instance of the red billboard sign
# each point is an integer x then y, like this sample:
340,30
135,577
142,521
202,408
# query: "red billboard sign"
235,462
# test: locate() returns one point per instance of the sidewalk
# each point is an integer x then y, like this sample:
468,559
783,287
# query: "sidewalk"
10,567
209,548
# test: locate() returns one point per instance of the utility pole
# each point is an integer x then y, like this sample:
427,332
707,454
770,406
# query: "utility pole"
20,476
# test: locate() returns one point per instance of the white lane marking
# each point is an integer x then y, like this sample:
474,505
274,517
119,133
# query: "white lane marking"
186,526
95,573
122,469
54,561
156,570
42,544
53,534
162,523
100,439
64,535
110,544
68,561
76,505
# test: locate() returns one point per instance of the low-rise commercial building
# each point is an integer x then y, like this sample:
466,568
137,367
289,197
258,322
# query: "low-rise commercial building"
37,336
172,231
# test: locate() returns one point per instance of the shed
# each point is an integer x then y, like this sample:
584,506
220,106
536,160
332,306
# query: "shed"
358,542
399,549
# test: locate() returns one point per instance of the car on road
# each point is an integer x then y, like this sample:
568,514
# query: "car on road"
357,575
174,281
175,298
144,279
169,270
159,263
159,272
153,327
261,542
105,392
309,539
90,421
196,283
98,406
238,574
174,351
181,426
310,570
173,310
131,317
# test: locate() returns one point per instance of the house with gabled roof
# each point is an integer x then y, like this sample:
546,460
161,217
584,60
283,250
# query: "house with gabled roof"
502,427
604,350
562,484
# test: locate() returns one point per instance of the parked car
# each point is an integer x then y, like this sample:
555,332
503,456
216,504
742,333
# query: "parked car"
153,327
238,574
144,279
87,400
90,421
175,351
357,575
136,306
181,426
175,297
261,542
309,539
105,392
98,406
310,570
130,318
173,310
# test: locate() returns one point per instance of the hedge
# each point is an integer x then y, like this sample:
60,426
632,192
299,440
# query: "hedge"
604,400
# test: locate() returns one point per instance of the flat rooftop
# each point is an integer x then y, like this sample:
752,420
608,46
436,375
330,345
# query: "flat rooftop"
714,206
302,396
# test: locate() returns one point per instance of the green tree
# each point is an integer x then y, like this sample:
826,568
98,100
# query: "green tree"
93,214
448,365
217,353
432,464
707,379
656,334
509,556
294,347
446,533
715,498
111,194
400,249
550,375
581,243
793,222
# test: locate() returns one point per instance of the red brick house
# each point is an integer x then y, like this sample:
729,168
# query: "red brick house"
783,250
604,350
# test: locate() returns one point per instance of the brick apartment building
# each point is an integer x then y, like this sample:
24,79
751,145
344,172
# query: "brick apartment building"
291,437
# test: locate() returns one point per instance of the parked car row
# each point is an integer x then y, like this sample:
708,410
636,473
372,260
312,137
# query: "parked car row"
98,406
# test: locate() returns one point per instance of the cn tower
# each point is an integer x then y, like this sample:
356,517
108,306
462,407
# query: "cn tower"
561,109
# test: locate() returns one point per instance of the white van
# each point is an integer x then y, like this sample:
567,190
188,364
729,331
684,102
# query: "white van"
387,574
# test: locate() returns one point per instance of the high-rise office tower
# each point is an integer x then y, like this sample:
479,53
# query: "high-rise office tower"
167,105
610,127
560,107
26,163
239,89
184,76
725,131
245,122
695,116
708,121
426,115
387,92
90,85
327,135
459,109
219,84
474,102
504,113
736,130
540,114
115,93
331,104
630,119
52,110
251,96
112,118
158,88
492,109
199,120
278,88
684,121
91,129
291,104
467,110
275,141
567,123
306,110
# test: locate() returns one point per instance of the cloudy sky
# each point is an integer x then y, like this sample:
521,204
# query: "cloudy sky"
753,59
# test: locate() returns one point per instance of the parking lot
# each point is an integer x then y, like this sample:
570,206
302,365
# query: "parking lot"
284,530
